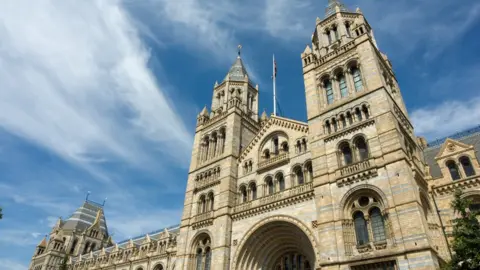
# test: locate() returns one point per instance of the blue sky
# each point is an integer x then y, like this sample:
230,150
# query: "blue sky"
102,95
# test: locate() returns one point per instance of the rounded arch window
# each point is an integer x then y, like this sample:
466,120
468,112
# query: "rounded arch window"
378,224
270,185
309,168
281,182
158,267
243,194
253,191
202,204
361,230
453,169
266,154
474,205
467,166
285,147
346,153
299,175
362,148
211,200
203,252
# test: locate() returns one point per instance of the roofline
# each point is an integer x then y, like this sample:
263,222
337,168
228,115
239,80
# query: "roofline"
455,136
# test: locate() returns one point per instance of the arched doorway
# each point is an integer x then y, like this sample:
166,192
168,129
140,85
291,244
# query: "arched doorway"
276,245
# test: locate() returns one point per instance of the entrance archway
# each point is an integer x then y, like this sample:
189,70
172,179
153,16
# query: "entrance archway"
276,245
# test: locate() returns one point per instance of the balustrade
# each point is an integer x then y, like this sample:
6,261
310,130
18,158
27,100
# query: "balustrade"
273,160
356,167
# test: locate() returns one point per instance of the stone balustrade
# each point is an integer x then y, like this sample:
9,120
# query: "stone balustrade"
273,161
356,167
203,216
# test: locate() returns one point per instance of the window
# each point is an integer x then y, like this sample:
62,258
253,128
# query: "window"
357,78
361,230
335,32
270,185
253,190
358,114
211,200
349,118
208,258
285,147
329,37
72,249
347,26
453,169
327,125
199,259
329,91
378,225
243,193
158,267
304,144
346,154
309,171
275,146
467,166
334,124
475,204
365,111
202,204
266,154
343,85
281,182
343,121
362,149
299,175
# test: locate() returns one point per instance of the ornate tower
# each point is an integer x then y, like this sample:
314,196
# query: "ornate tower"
369,176
211,188
82,233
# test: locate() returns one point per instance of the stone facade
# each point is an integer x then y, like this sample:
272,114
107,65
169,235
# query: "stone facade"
353,188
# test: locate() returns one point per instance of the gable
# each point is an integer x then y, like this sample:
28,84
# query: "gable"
452,147
274,124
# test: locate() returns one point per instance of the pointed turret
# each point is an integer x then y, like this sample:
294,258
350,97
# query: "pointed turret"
335,6
43,243
237,71
264,116
147,239
204,111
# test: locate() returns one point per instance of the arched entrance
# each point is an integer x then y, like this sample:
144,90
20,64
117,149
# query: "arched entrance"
277,245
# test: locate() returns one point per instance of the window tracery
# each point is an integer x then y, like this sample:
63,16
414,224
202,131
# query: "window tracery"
203,253
212,145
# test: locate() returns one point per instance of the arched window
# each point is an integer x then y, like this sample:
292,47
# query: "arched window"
285,147
343,121
199,259
85,249
72,249
253,191
211,200
275,146
92,247
243,193
206,147
453,169
474,203
342,83
378,225
346,152
270,185
266,154
281,182
208,258
361,230
299,175
357,78
329,128
467,166
358,114
349,118
329,91
158,267
309,171
361,148
365,111
304,144
202,205
334,124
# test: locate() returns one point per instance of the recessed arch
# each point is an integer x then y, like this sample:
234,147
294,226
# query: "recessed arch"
359,190
285,235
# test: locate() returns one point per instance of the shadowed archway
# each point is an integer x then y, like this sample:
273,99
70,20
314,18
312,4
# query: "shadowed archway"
277,245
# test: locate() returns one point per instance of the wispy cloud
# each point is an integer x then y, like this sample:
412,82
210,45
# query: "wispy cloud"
8,264
75,81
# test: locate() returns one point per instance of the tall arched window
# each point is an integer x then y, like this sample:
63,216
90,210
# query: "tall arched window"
357,78
361,230
299,175
243,194
467,166
342,83
349,118
343,121
270,185
158,267
211,200
208,258
365,111
309,171
361,148
199,259
329,128
72,249
202,206
453,169
253,191
378,225
281,182
346,152
329,91
275,146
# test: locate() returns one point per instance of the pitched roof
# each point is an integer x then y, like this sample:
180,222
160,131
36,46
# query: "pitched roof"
237,72
468,137
85,216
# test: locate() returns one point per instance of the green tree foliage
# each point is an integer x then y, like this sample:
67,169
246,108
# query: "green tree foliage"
466,235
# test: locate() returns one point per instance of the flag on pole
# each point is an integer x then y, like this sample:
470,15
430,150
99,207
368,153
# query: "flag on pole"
274,68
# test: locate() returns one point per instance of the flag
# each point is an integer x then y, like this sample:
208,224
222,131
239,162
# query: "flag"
274,68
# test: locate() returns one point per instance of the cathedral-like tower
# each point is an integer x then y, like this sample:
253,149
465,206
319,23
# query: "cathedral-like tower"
368,166
211,188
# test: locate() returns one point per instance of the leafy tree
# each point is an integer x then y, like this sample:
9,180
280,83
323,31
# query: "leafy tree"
466,235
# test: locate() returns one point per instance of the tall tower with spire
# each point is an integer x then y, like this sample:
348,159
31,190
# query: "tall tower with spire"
85,231
221,134
368,163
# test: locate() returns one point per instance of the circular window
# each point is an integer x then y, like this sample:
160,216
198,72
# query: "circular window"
363,201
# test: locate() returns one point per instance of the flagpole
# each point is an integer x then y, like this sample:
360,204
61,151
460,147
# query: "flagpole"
274,88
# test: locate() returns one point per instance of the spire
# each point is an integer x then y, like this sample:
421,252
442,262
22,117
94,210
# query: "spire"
43,243
333,6
204,112
264,116
237,71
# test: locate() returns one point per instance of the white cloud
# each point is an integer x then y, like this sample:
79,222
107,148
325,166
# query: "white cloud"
446,118
8,264
69,69
22,238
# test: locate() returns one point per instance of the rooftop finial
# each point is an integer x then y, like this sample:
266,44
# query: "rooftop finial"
104,201
88,194
239,49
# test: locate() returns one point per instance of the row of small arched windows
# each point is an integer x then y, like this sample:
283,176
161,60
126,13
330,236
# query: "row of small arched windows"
301,146
301,174
466,165
212,145
352,152
347,119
